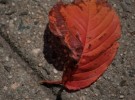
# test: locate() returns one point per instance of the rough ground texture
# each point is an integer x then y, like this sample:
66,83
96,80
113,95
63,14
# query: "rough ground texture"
23,65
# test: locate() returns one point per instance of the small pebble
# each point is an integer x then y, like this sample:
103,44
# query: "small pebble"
15,19
7,58
114,5
27,97
55,71
7,32
11,24
85,93
36,51
40,65
82,98
133,17
121,96
28,41
55,76
113,95
19,32
5,88
15,86
13,4
96,94
10,77
71,96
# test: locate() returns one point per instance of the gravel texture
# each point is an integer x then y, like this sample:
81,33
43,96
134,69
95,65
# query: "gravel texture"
22,63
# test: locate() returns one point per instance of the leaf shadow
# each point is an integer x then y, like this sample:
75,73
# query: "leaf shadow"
54,51
56,54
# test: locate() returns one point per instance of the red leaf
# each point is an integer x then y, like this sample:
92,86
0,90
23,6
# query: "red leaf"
90,29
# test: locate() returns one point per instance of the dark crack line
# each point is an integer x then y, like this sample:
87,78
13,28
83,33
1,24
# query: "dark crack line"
23,61
26,63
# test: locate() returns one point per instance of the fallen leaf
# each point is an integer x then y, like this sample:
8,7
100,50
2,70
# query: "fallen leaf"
90,29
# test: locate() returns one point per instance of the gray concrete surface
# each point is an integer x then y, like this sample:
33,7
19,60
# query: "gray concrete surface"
22,62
